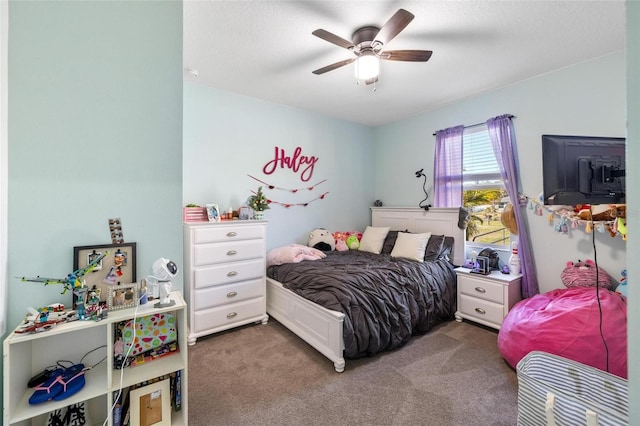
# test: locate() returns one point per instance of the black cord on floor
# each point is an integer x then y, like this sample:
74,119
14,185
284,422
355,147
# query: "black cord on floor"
595,261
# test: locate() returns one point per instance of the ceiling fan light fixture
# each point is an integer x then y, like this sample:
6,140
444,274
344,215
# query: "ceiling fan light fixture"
367,66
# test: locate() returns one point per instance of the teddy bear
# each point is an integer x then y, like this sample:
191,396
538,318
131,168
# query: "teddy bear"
321,239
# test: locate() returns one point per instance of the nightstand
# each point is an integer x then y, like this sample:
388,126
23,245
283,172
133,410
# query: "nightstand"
486,299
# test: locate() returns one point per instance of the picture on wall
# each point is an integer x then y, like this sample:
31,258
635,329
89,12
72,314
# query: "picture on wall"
117,267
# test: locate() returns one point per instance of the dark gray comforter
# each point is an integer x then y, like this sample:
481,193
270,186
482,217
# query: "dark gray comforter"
386,300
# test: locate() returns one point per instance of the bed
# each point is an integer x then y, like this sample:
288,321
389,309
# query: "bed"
324,328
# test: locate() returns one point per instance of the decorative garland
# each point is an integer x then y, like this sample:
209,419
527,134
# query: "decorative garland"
294,190
287,205
568,219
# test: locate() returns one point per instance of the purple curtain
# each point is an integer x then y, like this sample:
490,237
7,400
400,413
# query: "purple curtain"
447,168
503,139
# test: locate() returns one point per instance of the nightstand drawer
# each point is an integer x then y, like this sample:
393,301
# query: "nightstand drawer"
206,254
228,273
481,309
231,293
480,288
221,234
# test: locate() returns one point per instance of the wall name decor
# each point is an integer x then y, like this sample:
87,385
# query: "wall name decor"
296,162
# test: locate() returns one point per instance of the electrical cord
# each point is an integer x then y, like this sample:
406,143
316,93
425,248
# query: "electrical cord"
126,356
595,261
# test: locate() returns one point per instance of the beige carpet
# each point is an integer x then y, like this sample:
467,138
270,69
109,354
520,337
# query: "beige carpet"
265,375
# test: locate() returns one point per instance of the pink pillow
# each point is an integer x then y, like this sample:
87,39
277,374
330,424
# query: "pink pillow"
293,253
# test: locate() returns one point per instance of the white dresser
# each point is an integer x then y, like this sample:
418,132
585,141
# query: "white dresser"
224,275
486,299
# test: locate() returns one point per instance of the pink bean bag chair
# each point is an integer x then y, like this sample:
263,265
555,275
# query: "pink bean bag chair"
566,322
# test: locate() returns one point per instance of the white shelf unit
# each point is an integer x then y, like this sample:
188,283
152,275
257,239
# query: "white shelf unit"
25,355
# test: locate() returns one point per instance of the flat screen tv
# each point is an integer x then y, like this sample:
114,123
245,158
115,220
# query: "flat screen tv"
583,170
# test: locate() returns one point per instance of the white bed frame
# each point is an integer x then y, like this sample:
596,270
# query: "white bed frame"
321,327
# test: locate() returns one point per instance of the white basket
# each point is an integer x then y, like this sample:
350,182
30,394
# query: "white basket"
556,391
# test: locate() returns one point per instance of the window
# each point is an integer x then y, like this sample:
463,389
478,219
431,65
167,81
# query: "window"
483,191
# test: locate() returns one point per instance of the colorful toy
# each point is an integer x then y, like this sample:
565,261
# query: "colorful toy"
583,274
321,239
622,285
72,280
352,242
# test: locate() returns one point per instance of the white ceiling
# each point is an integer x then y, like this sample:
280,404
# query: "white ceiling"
265,49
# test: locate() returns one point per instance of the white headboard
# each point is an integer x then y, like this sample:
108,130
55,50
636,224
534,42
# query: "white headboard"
437,220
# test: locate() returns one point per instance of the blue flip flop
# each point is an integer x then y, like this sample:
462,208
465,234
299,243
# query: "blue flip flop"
72,380
49,389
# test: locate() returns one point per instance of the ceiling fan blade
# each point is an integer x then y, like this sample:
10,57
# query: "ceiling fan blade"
393,26
333,66
332,38
406,55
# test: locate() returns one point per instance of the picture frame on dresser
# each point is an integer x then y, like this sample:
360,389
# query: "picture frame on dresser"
213,213
119,266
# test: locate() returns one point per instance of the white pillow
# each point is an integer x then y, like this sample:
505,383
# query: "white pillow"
411,246
373,239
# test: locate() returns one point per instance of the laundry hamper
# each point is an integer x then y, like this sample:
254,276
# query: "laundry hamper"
556,391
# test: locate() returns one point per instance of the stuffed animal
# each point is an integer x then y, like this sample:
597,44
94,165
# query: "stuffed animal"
352,242
321,239
622,286
583,274
341,245
603,212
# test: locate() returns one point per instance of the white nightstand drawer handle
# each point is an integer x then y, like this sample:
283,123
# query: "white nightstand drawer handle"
231,252
232,294
481,311
232,234
231,314
480,290
232,273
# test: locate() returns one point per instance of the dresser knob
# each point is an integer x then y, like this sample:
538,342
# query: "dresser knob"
232,294
481,311
480,290
231,252
232,234
232,273
231,315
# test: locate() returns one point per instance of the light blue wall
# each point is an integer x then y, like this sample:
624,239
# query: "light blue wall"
95,129
585,99
633,204
229,136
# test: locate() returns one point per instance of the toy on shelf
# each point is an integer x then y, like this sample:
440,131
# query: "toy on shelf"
72,280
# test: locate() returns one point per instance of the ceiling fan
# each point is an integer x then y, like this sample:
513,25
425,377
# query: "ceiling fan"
367,46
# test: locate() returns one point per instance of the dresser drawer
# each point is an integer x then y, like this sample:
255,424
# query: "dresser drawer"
226,294
226,273
227,315
481,309
483,289
206,254
221,234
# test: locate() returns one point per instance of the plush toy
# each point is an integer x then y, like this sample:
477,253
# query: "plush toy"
341,245
352,242
603,212
321,239
622,286
583,274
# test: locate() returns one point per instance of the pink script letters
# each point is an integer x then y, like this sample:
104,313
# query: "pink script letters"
295,163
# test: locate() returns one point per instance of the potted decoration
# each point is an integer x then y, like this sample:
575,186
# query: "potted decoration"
258,203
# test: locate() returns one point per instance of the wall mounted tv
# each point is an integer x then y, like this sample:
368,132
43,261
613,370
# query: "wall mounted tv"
583,170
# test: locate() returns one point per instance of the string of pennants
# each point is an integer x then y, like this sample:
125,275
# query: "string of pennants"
564,218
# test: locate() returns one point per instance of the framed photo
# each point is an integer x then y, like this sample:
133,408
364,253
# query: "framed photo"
481,266
213,213
122,296
244,213
151,405
117,267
